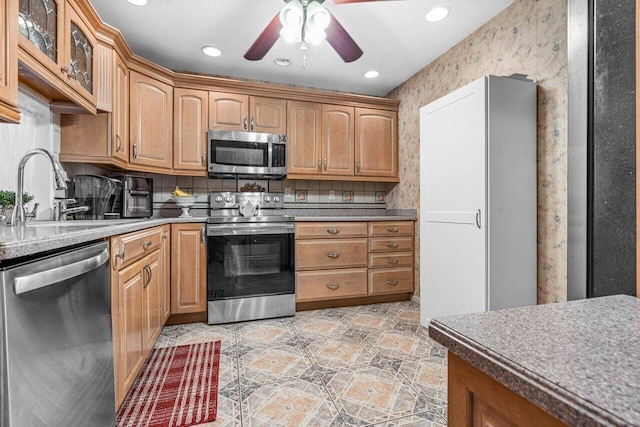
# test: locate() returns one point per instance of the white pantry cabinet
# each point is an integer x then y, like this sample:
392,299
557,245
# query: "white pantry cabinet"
478,198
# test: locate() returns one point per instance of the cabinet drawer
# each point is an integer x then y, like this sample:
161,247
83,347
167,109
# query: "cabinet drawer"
390,280
327,230
393,259
323,285
391,228
320,254
388,244
130,247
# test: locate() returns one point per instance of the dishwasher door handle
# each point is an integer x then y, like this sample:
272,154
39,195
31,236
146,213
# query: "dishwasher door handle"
31,282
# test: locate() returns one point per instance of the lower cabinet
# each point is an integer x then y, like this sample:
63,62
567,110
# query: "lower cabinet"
339,261
139,293
188,268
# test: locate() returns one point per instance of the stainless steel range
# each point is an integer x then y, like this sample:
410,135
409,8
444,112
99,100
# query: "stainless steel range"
250,258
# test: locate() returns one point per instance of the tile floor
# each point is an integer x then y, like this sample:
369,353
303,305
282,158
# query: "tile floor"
352,366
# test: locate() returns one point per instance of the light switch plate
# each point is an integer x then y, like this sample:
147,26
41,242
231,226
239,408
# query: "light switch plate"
287,191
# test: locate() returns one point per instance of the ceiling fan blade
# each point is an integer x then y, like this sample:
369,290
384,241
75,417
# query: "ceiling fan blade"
265,40
342,42
355,1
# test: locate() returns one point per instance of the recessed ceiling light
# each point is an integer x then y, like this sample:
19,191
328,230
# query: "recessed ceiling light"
372,74
436,14
138,2
282,62
211,51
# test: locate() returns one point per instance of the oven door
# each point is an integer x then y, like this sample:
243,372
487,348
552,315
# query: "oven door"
250,272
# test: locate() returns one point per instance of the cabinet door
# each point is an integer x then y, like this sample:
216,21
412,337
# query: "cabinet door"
41,25
304,133
120,106
152,271
268,115
228,111
188,269
79,54
376,142
130,355
166,274
151,121
337,140
9,62
191,116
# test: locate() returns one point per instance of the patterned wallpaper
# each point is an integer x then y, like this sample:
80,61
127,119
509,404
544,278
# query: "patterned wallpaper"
529,37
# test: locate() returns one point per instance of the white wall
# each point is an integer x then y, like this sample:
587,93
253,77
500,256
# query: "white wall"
38,128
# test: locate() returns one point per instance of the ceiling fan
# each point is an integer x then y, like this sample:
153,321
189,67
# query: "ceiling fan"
336,35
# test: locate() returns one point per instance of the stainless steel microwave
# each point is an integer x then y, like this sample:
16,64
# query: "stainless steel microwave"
247,154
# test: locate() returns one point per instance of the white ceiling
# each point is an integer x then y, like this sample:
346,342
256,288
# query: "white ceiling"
395,38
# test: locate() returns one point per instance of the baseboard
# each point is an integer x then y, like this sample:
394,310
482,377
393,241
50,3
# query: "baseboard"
415,299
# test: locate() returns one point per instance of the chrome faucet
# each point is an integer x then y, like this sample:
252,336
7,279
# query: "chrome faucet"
18,215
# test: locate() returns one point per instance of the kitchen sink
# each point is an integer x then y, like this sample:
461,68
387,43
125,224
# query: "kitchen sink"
82,223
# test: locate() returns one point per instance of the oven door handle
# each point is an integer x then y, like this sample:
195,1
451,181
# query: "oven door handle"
226,230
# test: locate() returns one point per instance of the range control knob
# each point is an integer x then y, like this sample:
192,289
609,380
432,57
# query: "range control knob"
276,199
267,199
227,199
218,199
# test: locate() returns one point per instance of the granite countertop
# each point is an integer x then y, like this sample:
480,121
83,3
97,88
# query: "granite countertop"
579,361
42,236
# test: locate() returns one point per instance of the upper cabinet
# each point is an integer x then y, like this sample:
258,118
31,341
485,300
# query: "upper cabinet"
9,62
151,122
229,111
304,138
376,143
337,140
190,125
57,51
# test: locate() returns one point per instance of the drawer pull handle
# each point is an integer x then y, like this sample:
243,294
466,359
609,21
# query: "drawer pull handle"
333,286
392,260
333,255
392,244
392,282
147,244
333,231
392,229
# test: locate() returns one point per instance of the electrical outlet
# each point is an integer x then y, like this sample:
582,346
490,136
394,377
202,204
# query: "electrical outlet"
287,191
332,194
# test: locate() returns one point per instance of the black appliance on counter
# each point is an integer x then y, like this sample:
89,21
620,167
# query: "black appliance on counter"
100,194
136,198
250,258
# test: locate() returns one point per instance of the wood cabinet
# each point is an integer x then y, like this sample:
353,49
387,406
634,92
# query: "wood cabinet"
376,143
9,62
231,111
190,125
139,292
475,399
391,257
57,50
343,263
103,138
188,268
151,122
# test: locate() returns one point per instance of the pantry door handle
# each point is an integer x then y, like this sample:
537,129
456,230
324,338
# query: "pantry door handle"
333,231
392,282
334,255
478,218
333,286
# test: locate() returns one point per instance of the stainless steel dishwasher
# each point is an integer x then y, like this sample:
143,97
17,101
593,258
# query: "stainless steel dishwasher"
56,355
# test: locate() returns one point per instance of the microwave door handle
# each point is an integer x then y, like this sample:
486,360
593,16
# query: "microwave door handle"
270,157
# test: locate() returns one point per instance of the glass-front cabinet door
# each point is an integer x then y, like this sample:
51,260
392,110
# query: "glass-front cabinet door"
79,56
40,22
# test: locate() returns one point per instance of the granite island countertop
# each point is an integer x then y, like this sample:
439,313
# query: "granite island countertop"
579,361
42,236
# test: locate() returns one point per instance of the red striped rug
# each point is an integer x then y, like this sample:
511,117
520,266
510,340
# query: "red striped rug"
176,387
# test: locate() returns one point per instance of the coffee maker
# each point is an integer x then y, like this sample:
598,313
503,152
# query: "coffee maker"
100,194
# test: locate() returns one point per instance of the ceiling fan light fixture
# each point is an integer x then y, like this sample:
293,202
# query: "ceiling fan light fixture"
372,74
318,18
437,14
211,51
291,34
314,37
138,2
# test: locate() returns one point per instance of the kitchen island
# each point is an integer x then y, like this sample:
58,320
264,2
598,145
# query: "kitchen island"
574,363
